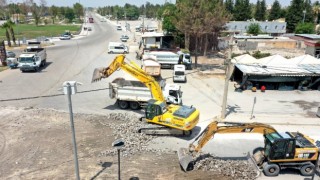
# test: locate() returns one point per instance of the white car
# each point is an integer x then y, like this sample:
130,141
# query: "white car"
65,37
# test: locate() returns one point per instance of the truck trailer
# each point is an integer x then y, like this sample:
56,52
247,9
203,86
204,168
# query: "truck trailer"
134,94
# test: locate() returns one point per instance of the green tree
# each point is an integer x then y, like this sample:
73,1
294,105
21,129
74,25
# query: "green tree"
168,15
78,9
6,27
254,29
305,28
69,14
229,6
275,12
198,18
54,12
316,11
10,26
295,13
257,11
242,10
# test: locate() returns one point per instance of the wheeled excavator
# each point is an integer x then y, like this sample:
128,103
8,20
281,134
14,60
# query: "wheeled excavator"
281,150
164,119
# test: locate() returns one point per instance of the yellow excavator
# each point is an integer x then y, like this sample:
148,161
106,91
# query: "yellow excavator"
281,150
173,119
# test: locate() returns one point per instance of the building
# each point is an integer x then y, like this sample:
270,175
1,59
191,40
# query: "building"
277,73
312,42
273,28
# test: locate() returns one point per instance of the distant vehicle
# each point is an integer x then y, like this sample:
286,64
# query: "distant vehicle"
118,48
32,58
103,20
10,54
89,29
90,20
179,73
124,38
65,37
119,28
12,62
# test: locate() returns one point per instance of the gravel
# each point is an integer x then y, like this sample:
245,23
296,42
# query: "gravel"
125,126
236,169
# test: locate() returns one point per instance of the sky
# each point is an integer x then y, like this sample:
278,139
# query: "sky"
102,3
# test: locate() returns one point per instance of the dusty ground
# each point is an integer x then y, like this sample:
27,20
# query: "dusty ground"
36,144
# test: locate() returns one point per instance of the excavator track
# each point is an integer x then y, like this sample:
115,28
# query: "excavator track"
158,130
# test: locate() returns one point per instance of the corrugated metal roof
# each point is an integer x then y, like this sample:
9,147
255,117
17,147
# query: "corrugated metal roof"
277,65
310,36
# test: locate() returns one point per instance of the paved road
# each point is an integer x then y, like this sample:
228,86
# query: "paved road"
77,58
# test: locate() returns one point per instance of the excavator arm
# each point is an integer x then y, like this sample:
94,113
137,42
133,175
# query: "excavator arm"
133,69
186,155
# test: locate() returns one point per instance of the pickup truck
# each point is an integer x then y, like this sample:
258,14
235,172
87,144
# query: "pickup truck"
134,94
32,59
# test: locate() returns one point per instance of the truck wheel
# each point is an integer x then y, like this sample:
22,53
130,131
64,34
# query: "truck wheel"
44,63
134,105
271,169
123,104
307,170
110,52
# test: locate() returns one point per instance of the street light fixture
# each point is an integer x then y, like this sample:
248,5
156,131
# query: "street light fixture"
119,143
69,88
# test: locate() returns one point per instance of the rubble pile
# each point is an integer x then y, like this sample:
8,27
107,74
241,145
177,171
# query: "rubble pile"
126,126
237,169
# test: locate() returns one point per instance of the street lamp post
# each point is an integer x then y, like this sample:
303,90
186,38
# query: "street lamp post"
304,15
119,143
70,87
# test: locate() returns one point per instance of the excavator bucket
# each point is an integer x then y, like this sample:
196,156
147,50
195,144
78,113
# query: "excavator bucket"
97,74
185,159
253,162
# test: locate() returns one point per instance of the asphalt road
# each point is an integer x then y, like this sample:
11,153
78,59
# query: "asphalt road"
75,60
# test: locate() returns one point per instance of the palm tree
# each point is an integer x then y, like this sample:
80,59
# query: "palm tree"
6,27
316,12
11,24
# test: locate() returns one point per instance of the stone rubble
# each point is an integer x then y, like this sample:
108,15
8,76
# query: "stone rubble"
126,127
236,169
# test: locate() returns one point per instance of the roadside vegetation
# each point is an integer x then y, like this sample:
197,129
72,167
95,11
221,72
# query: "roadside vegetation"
30,31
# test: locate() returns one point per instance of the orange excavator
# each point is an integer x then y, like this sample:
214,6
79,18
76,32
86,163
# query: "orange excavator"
281,150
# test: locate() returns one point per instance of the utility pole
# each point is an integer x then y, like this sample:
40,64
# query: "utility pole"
125,17
229,70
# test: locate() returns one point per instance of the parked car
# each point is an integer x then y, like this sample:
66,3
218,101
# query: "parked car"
89,29
65,37
119,27
10,54
124,38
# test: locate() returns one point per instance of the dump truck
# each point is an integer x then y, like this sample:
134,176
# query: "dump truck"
33,58
151,66
134,94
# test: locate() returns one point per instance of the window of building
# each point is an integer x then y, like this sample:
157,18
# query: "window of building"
282,27
266,27
235,27
276,27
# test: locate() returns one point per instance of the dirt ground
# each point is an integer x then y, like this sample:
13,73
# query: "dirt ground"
37,144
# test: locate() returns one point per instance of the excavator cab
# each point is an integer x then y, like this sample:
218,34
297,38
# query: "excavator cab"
155,108
277,147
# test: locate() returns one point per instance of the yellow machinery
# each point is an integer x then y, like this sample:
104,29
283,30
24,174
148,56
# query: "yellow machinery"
180,119
281,150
